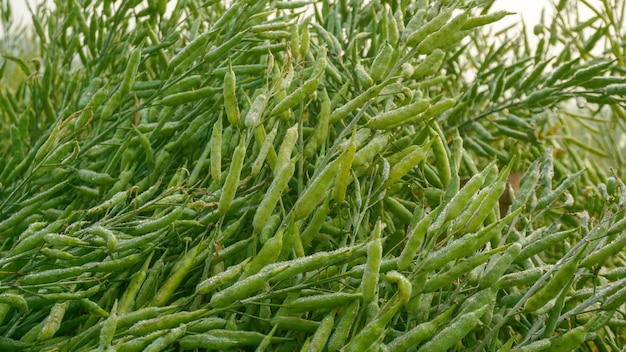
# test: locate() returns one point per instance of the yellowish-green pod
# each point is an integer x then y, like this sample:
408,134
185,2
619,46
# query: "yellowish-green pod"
188,97
343,172
267,255
438,108
344,326
453,332
190,50
295,40
415,37
343,111
414,242
375,146
308,87
232,178
265,150
443,37
286,147
179,271
554,285
93,307
371,333
320,133
131,71
430,65
369,282
319,339
383,62
391,30
127,301
214,282
500,266
417,21
421,332
230,97
107,331
361,74
394,118
485,19
407,163
163,341
253,117
305,39
404,285
442,155
14,300
315,192
272,196
188,83
216,151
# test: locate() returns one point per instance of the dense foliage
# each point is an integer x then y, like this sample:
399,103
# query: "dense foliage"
311,175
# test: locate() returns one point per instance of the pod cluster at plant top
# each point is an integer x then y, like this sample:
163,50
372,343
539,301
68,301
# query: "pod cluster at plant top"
311,175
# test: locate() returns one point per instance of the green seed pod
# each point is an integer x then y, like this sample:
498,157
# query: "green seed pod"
343,171
430,65
384,62
407,163
191,50
320,133
391,30
14,300
394,118
485,19
569,341
500,266
315,192
230,96
108,328
369,282
461,267
272,196
361,74
214,282
131,71
561,72
454,332
415,23
52,322
305,39
323,301
295,40
554,285
413,38
253,117
307,88
286,147
216,151
404,285
344,326
319,339
179,271
267,255
94,178
232,178
265,151
414,242
616,89
343,111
